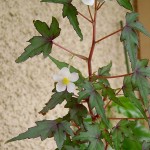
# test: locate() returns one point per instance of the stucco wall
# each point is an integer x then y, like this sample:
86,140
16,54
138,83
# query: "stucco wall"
26,87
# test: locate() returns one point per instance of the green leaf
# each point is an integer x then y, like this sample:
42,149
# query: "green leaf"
77,111
71,13
107,91
57,98
141,132
104,71
130,38
139,79
129,110
41,44
58,1
60,65
126,4
93,135
47,129
95,100
132,21
129,144
129,93
121,131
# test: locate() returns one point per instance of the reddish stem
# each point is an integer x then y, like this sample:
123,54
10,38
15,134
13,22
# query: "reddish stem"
77,55
93,44
90,13
128,118
108,35
100,5
110,77
91,53
106,146
85,17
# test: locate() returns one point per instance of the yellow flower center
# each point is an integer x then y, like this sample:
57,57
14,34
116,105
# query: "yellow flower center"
65,81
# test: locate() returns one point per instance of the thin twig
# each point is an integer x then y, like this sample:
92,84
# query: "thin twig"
93,43
77,55
90,13
111,77
100,5
108,35
128,118
85,17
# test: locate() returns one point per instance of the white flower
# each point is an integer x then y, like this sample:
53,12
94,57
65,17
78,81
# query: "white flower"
88,2
91,2
65,80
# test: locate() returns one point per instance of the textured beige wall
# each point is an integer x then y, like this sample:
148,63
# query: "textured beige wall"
26,87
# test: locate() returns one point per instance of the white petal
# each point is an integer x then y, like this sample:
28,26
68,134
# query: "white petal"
60,87
57,77
65,72
71,87
74,77
88,2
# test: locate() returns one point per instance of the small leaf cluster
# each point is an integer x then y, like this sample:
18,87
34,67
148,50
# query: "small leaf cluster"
89,123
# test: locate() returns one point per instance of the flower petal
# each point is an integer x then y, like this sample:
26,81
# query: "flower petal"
57,77
60,87
88,2
65,72
74,77
71,87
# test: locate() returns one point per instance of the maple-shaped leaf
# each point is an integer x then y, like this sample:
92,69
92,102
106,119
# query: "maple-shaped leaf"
41,44
130,38
95,100
129,93
121,131
57,98
58,1
92,135
77,111
70,12
47,129
139,79
126,4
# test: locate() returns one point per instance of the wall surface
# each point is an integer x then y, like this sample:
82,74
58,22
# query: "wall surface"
26,87
144,17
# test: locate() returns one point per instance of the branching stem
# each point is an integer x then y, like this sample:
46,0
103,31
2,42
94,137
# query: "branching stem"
108,36
85,17
77,55
90,13
93,43
111,77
